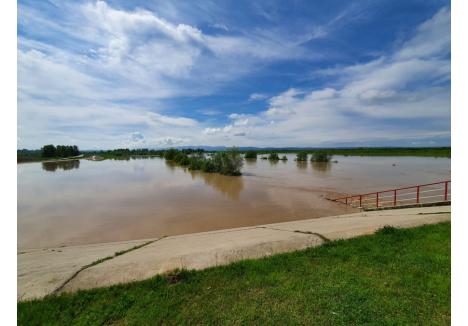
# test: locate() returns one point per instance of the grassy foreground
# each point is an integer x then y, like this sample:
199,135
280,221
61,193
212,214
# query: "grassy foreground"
396,277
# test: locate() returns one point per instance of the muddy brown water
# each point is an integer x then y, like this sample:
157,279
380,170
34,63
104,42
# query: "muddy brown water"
82,202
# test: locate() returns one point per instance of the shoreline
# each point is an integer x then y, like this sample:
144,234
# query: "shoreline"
67,269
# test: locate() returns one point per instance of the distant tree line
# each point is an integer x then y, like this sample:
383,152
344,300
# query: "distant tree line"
125,153
49,151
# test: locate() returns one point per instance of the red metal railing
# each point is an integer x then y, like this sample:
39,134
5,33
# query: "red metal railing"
421,194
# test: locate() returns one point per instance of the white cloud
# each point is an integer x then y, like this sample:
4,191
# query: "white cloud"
175,121
257,96
211,131
108,56
412,83
121,59
431,38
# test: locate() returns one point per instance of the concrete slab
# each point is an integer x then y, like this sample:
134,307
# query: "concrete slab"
193,251
40,272
352,225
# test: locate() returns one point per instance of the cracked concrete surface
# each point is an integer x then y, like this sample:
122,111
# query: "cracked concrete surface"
40,272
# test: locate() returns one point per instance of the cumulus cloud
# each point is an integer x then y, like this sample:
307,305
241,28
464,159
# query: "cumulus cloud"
96,58
411,83
96,73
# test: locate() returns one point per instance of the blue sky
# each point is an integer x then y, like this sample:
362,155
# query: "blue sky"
109,74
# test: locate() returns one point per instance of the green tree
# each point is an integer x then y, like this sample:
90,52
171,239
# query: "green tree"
251,154
320,156
48,151
301,156
273,156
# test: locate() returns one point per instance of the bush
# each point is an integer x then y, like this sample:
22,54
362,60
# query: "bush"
321,156
170,154
273,156
251,155
301,157
228,163
284,158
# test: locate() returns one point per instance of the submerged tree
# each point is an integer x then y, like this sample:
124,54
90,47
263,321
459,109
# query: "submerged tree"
251,154
273,156
229,162
301,157
320,156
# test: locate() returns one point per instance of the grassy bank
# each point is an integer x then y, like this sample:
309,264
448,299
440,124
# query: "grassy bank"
394,277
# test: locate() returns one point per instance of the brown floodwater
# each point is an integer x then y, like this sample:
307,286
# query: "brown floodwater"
82,202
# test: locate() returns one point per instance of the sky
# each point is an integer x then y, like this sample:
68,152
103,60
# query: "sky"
157,74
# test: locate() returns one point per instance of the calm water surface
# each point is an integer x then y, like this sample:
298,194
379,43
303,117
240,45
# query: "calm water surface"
80,202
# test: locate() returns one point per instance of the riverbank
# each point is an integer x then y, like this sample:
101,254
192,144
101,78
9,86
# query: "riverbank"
397,276
43,271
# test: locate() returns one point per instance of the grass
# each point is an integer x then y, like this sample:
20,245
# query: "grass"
395,277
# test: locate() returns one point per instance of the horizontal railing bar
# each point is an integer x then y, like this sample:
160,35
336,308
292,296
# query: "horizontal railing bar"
397,189
428,202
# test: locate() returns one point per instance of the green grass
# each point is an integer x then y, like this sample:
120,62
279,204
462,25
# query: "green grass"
396,277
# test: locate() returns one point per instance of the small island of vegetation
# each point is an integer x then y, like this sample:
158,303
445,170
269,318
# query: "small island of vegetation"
227,162
320,156
250,155
301,157
273,156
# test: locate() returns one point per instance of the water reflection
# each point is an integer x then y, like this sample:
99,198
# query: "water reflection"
229,186
64,165
301,165
321,167
250,161
171,166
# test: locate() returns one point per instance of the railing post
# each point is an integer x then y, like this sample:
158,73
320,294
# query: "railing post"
417,195
346,200
377,200
394,198
446,191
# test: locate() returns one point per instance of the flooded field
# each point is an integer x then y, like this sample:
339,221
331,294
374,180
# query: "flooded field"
81,202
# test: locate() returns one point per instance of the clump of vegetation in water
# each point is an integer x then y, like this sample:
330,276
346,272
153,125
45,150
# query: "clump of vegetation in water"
301,157
228,162
273,157
284,158
251,155
320,156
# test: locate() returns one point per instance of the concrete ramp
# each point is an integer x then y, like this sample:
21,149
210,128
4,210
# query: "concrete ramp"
40,273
